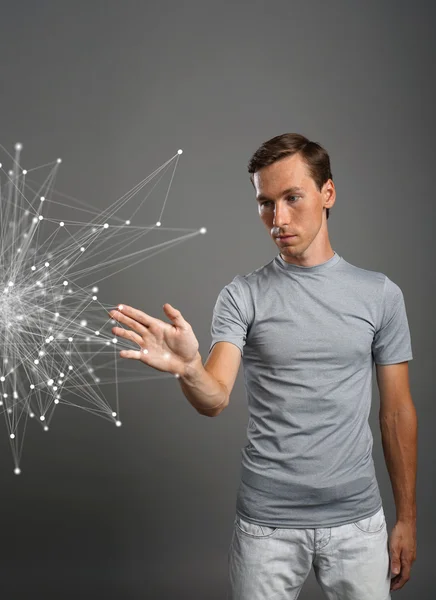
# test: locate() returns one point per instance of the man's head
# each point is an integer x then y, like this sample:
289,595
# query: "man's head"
294,190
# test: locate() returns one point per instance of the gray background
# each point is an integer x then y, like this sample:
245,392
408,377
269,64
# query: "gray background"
114,88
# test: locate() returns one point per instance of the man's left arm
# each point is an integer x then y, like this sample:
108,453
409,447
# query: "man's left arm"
399,430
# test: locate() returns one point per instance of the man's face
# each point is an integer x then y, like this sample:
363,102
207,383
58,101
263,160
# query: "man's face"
289,203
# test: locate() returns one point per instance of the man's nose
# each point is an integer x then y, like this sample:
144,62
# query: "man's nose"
281,215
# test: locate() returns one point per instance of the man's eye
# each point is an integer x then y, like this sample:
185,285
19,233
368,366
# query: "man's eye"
289,197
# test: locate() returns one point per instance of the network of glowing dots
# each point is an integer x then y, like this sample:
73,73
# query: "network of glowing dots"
54,251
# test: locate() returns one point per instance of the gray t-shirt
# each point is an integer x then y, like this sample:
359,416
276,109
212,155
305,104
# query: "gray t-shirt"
308,338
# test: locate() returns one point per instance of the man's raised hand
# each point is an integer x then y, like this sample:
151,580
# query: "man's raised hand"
168,347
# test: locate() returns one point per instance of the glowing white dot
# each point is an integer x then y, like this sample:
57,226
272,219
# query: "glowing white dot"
65,282
42,418
59,160
114,340
94,289
61,224
83,323
120,307
33,268
1,402
41,353
82,249
55,387
56,315
180,151
45,428
12,436
61,374
97,333
203,230
128,222
47,341
51,338
35,220
145,351
40,217
97,379
50,382
42,198
70,339
24,172
118,423
176,375
158,224
2,378
94,297
70,367
18,146
106,225
17,471
31,415
36,361
94,229
56,401
46,264
114,414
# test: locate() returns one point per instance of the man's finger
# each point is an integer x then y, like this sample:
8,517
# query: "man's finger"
122,318
127,334
404,576
130,354
398,582
138,315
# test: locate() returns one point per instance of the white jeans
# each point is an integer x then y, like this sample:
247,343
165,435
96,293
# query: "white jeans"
351,562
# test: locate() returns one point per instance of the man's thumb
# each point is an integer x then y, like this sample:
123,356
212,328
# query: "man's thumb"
174,314
395,565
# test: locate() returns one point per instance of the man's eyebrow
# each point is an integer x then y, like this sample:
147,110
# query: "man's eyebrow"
294,188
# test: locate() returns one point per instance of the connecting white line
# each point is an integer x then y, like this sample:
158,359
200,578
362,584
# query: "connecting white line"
56,343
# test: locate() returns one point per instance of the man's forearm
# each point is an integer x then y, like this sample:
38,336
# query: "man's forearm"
204,392
399,439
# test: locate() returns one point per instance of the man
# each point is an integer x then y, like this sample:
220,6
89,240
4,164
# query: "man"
309,326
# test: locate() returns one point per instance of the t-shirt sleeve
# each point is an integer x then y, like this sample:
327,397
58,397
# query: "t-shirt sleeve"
230,319
392,342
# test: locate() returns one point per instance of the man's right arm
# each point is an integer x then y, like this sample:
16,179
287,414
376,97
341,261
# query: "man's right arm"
208,387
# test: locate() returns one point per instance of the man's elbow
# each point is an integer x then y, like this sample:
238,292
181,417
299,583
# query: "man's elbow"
213,412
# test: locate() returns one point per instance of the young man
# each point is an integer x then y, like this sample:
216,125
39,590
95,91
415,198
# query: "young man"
309,326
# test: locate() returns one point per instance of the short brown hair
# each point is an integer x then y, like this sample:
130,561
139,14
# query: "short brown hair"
287,144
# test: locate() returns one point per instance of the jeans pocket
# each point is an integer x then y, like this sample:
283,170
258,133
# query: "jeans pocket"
253,529
372,524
